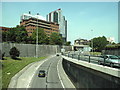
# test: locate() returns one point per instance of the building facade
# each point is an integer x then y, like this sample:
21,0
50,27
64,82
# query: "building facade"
81,42
57,17
82,45
111,39
4,29
31,23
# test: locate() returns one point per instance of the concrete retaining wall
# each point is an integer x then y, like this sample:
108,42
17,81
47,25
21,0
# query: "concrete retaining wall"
29,50
87,75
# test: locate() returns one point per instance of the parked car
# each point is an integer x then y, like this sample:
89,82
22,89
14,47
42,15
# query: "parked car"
118,57
111,60
41,73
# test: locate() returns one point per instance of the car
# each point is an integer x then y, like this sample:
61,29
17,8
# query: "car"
41,73
111,60
118,57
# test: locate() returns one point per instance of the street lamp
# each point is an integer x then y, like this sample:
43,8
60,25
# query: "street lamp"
37,38
92,42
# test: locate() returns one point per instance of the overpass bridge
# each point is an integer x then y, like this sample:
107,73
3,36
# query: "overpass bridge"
90,75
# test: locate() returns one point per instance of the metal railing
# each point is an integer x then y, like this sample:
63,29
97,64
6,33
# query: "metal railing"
90,59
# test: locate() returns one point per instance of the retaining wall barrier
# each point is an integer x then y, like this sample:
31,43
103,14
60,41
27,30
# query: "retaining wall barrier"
88,75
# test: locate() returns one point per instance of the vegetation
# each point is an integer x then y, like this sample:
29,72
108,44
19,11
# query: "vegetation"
95,53
42,37
99,43
68,43
55,39
19,35
14,53
11,67
115,46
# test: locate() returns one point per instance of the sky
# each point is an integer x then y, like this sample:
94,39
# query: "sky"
86,20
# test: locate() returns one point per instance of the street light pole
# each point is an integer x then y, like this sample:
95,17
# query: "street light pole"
92,42
37,38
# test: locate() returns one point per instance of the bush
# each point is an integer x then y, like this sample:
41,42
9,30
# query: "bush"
14,53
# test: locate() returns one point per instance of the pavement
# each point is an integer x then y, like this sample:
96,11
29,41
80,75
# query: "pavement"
55,75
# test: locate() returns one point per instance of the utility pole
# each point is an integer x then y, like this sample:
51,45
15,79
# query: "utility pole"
37,38
92,42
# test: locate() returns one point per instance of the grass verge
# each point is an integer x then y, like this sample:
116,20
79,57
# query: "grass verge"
11,67
95,53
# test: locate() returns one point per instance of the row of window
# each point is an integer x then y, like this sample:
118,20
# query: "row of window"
55,30
30,29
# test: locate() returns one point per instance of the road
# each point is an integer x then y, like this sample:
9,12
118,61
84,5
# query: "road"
52,79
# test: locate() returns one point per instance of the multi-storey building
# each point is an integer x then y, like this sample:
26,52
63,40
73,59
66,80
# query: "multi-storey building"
4,29
31,23
82,45
81,42
56,16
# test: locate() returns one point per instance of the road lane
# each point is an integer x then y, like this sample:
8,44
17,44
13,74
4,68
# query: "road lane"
51,80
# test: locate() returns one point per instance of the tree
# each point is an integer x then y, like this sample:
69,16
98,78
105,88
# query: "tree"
68,43
4,36
42,37
14,53
11,35
99,43
21,34
17,34
55,39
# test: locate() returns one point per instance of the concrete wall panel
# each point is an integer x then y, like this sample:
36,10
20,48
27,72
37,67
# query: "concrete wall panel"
29,50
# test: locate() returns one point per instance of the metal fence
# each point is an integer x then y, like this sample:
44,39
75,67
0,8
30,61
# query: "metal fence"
93,59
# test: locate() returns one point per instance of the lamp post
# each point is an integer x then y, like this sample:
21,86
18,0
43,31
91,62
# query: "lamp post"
92,42
37,38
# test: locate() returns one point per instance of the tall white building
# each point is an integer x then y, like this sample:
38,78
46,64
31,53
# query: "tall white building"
56,16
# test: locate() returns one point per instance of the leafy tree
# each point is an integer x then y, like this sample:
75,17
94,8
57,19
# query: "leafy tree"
21,34
17,34
4,36
99,43
68,43
42,37
14,53
55,39
29,40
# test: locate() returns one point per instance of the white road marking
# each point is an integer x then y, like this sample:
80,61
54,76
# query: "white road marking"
28,86
59,76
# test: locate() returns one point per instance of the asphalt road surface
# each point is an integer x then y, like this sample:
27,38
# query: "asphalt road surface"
51,80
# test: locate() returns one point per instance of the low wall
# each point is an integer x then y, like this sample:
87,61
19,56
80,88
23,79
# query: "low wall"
29,50
86,75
